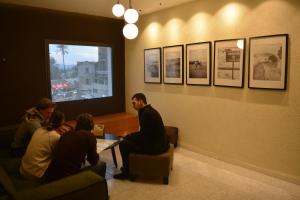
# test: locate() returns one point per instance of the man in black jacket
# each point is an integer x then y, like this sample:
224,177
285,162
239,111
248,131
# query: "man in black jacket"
151,139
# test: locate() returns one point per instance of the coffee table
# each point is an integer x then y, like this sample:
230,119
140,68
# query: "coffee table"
108,141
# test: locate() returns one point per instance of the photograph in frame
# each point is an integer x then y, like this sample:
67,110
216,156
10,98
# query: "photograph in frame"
198,63
173,64
268,62
229,62
152,65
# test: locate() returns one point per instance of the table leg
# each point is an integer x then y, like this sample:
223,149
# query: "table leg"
113,153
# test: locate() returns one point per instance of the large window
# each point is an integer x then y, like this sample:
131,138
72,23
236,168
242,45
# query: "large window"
79,71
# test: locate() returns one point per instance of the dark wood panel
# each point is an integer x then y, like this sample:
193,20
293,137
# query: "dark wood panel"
23,74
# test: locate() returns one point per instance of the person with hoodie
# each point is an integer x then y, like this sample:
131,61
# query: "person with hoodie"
34,118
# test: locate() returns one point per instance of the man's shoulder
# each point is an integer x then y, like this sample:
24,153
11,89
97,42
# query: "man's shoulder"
149,110
29,125
85,134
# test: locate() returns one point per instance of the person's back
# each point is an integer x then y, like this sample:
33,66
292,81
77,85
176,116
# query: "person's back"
72,150
39,152
154,140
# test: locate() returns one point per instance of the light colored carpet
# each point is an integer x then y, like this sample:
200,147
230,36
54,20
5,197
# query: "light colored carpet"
198,177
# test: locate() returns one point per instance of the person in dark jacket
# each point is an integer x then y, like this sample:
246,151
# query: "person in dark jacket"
151,139
73,149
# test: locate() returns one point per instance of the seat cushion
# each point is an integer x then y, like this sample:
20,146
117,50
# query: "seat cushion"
151,165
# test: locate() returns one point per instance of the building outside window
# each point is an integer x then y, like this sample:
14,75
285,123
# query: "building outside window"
79,72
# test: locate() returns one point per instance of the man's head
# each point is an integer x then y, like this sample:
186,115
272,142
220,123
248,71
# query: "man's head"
138,101
46,107
85,121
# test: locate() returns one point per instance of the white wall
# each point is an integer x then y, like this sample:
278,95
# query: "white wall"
258,129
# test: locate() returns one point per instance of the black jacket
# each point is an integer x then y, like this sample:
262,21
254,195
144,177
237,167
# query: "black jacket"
152,137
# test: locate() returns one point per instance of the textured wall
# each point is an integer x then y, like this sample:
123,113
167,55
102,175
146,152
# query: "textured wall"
258,129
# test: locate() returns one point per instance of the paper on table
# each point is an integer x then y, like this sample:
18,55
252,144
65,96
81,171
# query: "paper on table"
104,143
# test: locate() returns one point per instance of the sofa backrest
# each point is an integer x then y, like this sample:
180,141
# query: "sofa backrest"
6,186
7,134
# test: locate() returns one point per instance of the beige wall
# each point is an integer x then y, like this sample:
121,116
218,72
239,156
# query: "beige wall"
258,129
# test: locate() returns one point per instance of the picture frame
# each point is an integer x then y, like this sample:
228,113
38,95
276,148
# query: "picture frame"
152,65
198,63
173,64
229,62
268,62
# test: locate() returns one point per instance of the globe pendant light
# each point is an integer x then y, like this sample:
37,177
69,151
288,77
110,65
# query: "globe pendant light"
130,31
131,15
118,9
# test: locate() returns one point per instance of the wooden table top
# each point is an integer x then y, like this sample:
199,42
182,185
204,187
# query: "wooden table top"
118,124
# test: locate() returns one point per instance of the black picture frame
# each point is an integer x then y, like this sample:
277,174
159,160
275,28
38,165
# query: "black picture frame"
198,63
268,60
152,65
229,62
173,62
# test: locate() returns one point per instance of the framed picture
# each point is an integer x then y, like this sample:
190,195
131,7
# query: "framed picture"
198,63
173,64
268,62
152,65
229,62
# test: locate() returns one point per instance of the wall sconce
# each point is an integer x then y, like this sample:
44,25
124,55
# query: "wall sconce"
130,30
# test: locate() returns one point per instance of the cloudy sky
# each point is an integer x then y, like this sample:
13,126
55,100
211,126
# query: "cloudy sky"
75,53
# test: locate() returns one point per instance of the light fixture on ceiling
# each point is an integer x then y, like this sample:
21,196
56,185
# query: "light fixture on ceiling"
130,30
118,9
131,15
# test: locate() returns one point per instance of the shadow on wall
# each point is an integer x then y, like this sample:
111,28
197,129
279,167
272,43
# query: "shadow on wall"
270,97
257,96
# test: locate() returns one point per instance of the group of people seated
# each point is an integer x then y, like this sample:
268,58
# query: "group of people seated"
51,149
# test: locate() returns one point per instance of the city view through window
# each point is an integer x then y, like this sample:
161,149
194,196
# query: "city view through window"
79,72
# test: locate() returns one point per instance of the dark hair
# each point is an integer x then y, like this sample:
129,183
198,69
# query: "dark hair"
85,121
56,120
44,103
139,96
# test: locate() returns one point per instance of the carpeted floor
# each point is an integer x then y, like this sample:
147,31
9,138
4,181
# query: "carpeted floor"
199,177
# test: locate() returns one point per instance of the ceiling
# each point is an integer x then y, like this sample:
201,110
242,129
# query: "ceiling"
98,7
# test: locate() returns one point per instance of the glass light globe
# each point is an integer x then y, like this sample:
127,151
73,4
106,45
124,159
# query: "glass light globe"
118,10
130,31
131,16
